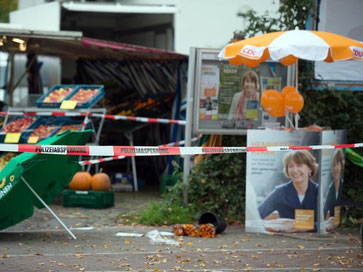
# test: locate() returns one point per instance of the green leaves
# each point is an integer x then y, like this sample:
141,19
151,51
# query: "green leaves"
216,184
291,14
159,214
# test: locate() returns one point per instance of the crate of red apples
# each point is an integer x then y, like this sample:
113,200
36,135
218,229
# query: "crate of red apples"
73,125
16,125
55,96
86,95
42,129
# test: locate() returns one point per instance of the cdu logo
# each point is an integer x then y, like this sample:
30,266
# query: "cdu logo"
252,52
248,51
357,52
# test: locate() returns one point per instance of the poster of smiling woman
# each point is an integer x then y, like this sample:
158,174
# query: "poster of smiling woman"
282,187
332,181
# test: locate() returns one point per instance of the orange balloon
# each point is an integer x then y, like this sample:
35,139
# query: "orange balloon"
277,112
288,89
273,103
267,97
294,102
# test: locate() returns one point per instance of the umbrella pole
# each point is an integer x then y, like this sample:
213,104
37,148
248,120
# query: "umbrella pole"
297,89
49,209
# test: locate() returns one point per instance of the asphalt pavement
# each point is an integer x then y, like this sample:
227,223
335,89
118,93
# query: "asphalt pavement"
41,244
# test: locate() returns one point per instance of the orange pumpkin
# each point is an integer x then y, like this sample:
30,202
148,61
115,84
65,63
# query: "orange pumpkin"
101,182
81,181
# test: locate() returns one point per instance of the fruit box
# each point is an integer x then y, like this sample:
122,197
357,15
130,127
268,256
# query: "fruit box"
74,124
43,128
54,97
18,124
88,199
87,95
5,158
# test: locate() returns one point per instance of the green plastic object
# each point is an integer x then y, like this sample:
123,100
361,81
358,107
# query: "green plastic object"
167,181
47,174
354,157
88,199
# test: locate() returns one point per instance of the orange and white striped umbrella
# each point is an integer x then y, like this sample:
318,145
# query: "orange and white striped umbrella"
289,46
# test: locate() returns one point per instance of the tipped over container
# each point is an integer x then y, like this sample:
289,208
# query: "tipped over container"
216,220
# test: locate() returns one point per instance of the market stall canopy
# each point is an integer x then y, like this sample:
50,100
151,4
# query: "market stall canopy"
72,45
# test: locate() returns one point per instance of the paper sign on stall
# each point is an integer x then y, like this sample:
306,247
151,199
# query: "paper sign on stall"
33,139
12,138
68,105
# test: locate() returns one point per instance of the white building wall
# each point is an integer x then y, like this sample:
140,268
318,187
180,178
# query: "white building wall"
29,3
211,23
40,17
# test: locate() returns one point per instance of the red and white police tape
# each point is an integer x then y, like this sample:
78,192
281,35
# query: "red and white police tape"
95,161
128,151
98,115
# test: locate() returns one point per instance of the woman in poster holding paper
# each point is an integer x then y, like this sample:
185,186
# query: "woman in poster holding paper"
300,193
334,197
246,99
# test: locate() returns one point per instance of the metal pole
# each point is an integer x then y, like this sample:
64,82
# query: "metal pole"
11,80
27,68
133,164
297,89
49,209
291,80
188,126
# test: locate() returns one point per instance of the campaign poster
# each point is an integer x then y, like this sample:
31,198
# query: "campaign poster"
282,187
209,92
231,77
239,97
268,83
332,181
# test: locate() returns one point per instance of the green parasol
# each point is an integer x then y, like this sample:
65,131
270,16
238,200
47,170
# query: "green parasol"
37,179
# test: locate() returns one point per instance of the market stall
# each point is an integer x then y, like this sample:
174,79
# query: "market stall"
138,81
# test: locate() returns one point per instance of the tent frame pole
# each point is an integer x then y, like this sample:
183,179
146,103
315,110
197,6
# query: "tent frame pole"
49,209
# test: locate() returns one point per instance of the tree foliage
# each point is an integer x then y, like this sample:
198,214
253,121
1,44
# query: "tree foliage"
6,6
291,14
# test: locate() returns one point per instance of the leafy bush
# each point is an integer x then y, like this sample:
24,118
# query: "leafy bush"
159,214
216,184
